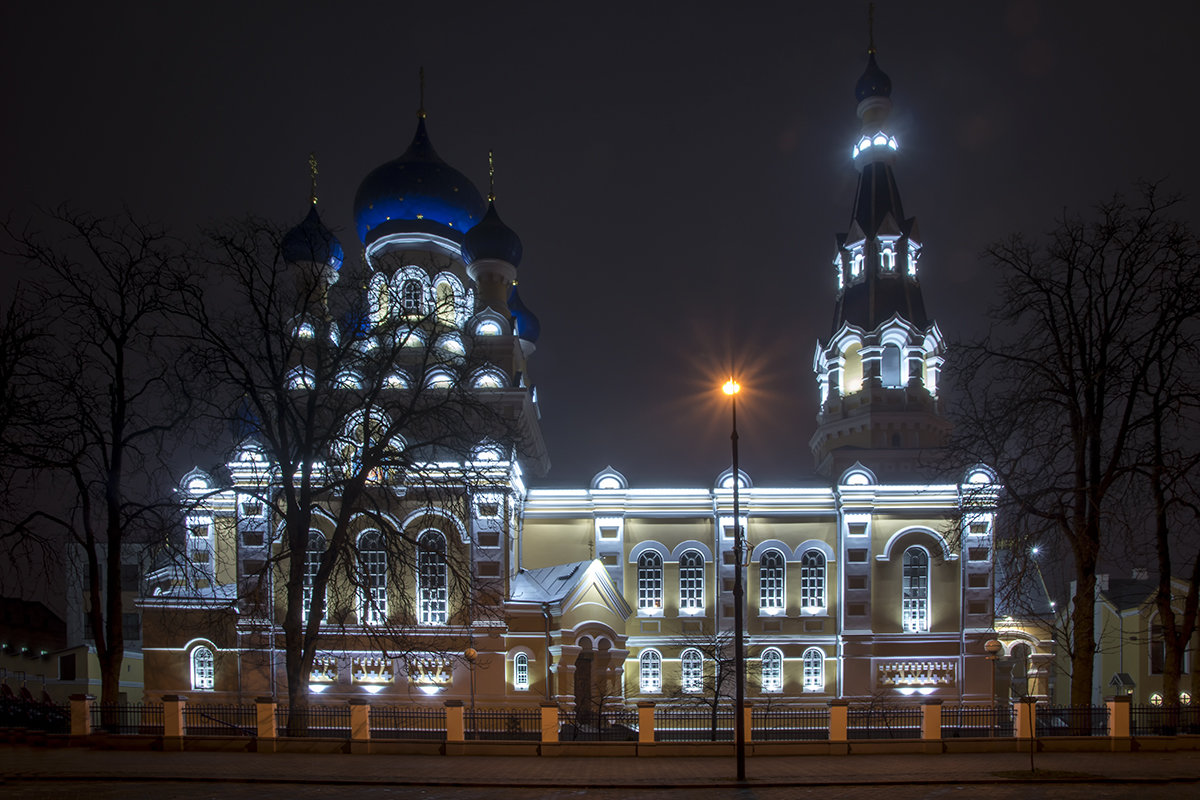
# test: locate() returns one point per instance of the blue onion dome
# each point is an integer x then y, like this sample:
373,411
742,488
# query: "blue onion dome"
874,82
312,241
491,238
527,324
417,191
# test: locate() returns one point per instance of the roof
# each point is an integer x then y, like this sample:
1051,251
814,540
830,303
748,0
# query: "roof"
548,584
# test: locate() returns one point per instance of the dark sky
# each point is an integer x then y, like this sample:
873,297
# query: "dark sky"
677,171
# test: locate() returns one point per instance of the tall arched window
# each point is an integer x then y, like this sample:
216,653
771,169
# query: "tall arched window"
312,564
915,606
445,304
812,580
852,370
650,583
650,671
814,670
204,672
770,582
372,596
891,365
691,667
410,296
691,582
772,670
431,579
521,671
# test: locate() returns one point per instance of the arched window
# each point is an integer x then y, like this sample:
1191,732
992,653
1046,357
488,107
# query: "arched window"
650,583
772,670
203,669
691,665
770,582
410,296
915,606
372,598
650,672
445,303
814,670
812,580
312,564
891,365
521,671
691,582
431,579
852,371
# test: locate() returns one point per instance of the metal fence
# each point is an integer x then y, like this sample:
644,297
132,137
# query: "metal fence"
128,718
1072,720
46,717
332,722
884,722
503,724
408,722
789,724
694,724
976,721
203,719
608,726
1164,721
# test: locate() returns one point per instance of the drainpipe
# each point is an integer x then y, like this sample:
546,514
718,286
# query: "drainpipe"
549,641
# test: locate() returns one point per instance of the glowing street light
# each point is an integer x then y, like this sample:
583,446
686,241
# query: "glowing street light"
732,388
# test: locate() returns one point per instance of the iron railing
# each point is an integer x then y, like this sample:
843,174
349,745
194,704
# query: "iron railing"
789,723
128,718
1071,720
408,722
620,725
977,721
694,723
884,722
331,722
205,719
1164,721
503,724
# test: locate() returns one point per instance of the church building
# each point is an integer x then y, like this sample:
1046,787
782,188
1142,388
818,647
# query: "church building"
874,585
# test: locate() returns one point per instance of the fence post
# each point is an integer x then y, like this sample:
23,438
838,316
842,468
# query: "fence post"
748,719
264,719
549,722
455,729
360,726
839,720
1026,727
81,714
173,705
931,721
1120,728
645,721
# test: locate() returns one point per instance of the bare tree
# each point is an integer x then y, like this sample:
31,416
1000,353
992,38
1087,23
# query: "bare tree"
1054,397
714,686
105,402
377,419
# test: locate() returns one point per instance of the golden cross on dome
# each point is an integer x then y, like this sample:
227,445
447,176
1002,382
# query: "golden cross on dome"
312,172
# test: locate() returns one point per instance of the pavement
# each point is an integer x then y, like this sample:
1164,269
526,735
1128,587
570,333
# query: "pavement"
26,765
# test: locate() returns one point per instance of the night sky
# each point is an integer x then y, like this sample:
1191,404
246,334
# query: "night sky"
676,171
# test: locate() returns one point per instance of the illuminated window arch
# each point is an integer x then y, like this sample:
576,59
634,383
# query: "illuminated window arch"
691,667
812,580
814,670
521,672
204,673
372,596
410,297
852,370
650,671
650,583
312,565
915,602
488,379
772,670
771,575
379,299
891,366
432,579
691,582
446,307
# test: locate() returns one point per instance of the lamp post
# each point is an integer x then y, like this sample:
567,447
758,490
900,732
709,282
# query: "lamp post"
732,388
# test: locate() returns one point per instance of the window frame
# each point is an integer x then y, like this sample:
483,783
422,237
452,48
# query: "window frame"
312,565
521,672
650,583
772,587
814,670
914,597
373,571
771,671
813,581
691,583
650,672
204,675
433,602
691,671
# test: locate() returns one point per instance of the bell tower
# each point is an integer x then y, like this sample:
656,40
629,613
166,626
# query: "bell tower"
878,372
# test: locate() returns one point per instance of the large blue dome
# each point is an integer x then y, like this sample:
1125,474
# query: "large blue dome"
312,241
491,238
417,191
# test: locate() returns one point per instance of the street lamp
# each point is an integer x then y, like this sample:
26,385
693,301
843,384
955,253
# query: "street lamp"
732,388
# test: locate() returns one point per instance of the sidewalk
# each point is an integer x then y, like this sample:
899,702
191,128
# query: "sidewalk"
81,764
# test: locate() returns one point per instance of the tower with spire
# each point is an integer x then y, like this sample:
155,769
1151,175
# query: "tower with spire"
878,372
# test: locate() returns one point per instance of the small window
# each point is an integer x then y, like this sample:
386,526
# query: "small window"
691,663
814,670
650,583
203,669
772,671
489,327
521,672
650,672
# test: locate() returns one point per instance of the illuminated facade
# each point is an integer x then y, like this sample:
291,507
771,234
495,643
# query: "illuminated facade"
876,584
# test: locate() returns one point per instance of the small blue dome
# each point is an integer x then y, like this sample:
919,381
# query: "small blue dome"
873,83
491,238
417,191
312,241
527,324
